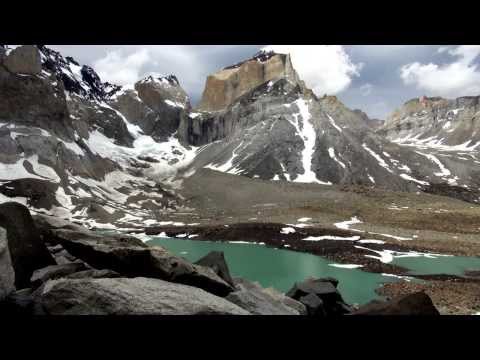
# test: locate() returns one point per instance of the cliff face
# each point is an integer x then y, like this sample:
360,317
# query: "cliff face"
227,85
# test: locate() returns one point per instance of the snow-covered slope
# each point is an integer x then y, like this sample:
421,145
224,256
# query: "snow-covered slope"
66,150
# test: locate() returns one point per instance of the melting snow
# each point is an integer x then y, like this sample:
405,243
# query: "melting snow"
380,160
408,177
330,237
346,266
287,230
331,152
387,256
308,135
443,170
333,123
345,225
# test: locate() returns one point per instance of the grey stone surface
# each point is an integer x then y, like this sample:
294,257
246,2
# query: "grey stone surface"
137,296
7,274
24,59
259,301
129,256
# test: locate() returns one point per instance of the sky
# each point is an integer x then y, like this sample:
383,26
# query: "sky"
374,78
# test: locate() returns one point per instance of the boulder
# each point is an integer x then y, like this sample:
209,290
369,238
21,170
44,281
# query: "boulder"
27,252
45,223
122,296
259,301
7,274
41,276
94,274
17,303
216,261
313,304
24,60
417,303
130,257
326,291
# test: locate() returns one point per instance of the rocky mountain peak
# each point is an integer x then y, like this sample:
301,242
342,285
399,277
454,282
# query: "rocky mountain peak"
80,80
155,92
225,86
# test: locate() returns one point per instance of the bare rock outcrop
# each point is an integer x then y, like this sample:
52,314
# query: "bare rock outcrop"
24,60
227,85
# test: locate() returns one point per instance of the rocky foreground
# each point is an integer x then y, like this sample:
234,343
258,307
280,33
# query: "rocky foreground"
52,267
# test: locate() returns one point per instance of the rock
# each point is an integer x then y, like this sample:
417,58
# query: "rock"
216,261
44,223
130,257
94,274
7,274
227,85
41,276
122,296
313,304
28,253
326,291
258,301
24,60
64,257
18,303
417,303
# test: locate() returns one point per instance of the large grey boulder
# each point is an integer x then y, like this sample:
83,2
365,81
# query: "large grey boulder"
130,257
121,296
259,301
417,303
7,274
24,60
27,251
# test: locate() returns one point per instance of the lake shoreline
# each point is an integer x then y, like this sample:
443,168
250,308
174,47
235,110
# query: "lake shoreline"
442,288
339,251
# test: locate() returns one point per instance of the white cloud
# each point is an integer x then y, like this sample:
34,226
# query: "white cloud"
458,78
326,69
118,68
127,64
366,89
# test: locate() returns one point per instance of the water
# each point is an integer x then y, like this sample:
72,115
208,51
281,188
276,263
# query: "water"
281,268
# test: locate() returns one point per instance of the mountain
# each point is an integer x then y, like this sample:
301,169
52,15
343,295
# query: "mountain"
435,121
279,130
101,154
67,151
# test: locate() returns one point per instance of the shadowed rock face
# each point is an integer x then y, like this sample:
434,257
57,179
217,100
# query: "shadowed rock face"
7,274
227,85
26,249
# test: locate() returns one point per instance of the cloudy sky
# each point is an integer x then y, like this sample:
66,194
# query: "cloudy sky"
374,78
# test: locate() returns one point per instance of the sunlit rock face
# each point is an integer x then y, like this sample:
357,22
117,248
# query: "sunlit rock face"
228,84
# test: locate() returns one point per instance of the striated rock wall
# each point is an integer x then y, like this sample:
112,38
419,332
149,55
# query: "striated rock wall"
227,85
